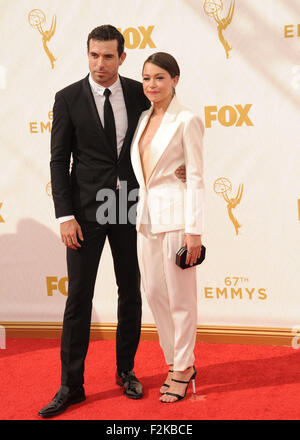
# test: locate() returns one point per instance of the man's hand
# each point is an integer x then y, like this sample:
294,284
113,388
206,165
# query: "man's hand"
180,173
193,244
70,231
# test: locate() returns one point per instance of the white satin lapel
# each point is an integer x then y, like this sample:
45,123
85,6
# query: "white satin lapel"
135,151
164,134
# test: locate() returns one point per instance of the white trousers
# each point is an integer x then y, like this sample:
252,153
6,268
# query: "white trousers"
171,293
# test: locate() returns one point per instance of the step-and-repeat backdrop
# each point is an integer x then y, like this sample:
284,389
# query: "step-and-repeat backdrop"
240,71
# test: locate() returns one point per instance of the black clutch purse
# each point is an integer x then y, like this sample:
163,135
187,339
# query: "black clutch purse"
181,257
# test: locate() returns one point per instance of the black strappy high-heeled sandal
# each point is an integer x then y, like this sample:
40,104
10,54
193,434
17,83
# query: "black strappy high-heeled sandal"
179,397
165,384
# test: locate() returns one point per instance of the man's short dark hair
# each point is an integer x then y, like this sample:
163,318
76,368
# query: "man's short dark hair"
107,32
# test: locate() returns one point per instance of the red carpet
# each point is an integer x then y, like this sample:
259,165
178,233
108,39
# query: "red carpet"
234,382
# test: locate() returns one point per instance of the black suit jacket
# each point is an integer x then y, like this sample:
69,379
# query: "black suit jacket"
77,136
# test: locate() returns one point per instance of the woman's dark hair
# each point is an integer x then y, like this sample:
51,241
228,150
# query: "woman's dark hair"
107,32
165,61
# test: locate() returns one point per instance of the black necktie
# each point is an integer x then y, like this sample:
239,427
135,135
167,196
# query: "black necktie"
109,120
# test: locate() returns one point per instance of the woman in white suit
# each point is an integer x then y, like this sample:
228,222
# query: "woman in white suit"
169,215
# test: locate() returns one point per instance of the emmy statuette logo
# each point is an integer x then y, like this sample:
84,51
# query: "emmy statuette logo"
213,9
36,19
223,186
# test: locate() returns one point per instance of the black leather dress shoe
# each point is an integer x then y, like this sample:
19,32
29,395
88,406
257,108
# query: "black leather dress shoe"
62,399
132,387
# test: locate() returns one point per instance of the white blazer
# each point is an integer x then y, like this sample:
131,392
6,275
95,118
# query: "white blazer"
164,201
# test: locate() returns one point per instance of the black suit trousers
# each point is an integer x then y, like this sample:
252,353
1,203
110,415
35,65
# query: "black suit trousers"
82,272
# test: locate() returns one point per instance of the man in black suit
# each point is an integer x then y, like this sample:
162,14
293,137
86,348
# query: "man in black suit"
93,129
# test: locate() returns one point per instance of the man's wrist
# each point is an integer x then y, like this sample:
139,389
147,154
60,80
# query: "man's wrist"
66,218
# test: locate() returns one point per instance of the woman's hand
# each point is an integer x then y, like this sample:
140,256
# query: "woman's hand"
193,244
